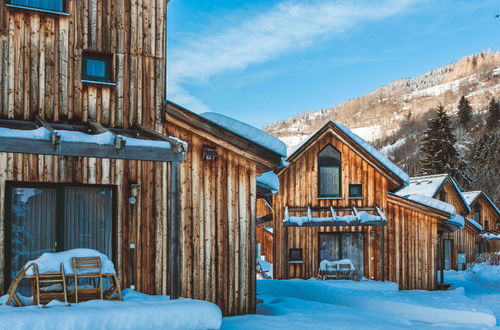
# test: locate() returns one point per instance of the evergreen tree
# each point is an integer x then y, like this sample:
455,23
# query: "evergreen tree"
438,145
464,111
493,115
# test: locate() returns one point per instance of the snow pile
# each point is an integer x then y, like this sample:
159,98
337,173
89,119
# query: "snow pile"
51,262
137,311
490,236
420,306
332,265
474,223
361,217
434,203
470,196
248,132
270,181
36,134
484,273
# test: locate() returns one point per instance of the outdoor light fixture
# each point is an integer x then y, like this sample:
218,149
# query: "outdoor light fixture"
209,153
134,192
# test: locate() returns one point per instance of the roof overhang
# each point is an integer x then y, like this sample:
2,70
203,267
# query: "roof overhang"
269,159
92,140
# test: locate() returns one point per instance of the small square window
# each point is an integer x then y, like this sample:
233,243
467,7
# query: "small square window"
355,190
294,255
96,68
51,6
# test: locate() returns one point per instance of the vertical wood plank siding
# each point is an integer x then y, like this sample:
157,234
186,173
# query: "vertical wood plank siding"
265,239
490,215
410,236
41,61
218,202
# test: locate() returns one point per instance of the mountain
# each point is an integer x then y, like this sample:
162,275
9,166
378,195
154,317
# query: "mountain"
379,114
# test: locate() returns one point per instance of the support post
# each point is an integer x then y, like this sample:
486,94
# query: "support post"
442,259
382,253
286,251
174,251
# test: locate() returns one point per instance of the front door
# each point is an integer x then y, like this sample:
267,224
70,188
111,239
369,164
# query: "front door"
448,245
50,218
337,246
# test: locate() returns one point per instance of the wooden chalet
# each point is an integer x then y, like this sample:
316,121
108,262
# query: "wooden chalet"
91,156
338,200
485,213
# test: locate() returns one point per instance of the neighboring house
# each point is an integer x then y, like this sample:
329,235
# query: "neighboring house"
337,200
458,243
87,138
487,215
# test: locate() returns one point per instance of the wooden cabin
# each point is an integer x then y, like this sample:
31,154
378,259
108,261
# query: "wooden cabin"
84,126
487,215
219,193
457,243
337,200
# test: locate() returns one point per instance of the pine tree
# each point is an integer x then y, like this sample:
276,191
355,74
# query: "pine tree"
438,145
493,115
464,111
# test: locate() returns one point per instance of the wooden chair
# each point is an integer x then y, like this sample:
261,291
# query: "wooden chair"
12,291
42,286
87,268
344,272
261,271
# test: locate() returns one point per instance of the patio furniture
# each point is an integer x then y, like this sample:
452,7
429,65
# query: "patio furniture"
338,271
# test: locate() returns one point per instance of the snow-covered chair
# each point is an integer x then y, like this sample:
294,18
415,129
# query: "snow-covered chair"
87,268
337,270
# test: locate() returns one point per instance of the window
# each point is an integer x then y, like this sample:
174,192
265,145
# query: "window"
486,225
96,68
46,5
442,196
50,218
477,213
355,190
329,184
295,255
343,245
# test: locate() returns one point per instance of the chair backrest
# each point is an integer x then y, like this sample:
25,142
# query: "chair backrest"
344,267
85,264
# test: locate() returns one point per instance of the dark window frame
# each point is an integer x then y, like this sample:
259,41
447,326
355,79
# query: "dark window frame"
107,58
339,195
59,187
477,211
9,4
292,250
352,185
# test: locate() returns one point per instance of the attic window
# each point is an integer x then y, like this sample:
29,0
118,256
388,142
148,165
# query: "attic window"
442,196
329,172
97,68
53,6
477,213
486,225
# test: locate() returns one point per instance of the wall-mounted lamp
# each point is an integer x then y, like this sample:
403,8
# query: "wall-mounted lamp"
209,153
134,192
372,234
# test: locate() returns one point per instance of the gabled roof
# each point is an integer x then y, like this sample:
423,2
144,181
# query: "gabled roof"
367,151
472,196
430,185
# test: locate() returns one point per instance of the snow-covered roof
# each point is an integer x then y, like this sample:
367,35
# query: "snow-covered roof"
470,196
432,202
474,223
429,185
402,175
269,181
490,236
248,132
457,221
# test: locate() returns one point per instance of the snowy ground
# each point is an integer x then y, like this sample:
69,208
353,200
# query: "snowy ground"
137,311
312,304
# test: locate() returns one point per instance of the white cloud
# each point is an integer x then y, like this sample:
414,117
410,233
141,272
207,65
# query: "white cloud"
287,27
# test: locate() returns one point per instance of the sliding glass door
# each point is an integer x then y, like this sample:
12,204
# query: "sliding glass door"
344,245
48,218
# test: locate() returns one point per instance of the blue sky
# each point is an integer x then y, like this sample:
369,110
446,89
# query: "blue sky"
260,61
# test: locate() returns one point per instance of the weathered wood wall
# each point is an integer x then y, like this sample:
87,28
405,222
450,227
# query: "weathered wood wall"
134,223
411,246
265,238
41,62
218,201
452,197
464,241
408,232
487,213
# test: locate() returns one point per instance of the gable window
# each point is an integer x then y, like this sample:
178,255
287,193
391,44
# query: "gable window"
97,68
442,195
486,225
56,6
329,182
355,190
477,214
295,255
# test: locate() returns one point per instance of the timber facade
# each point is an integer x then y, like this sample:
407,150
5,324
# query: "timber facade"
177,220
400,246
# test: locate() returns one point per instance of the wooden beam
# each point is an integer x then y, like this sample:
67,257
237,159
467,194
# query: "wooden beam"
336,224
83,149
98,128
176,144
382,254
55,139
264,219
286,265
174,251
328,209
